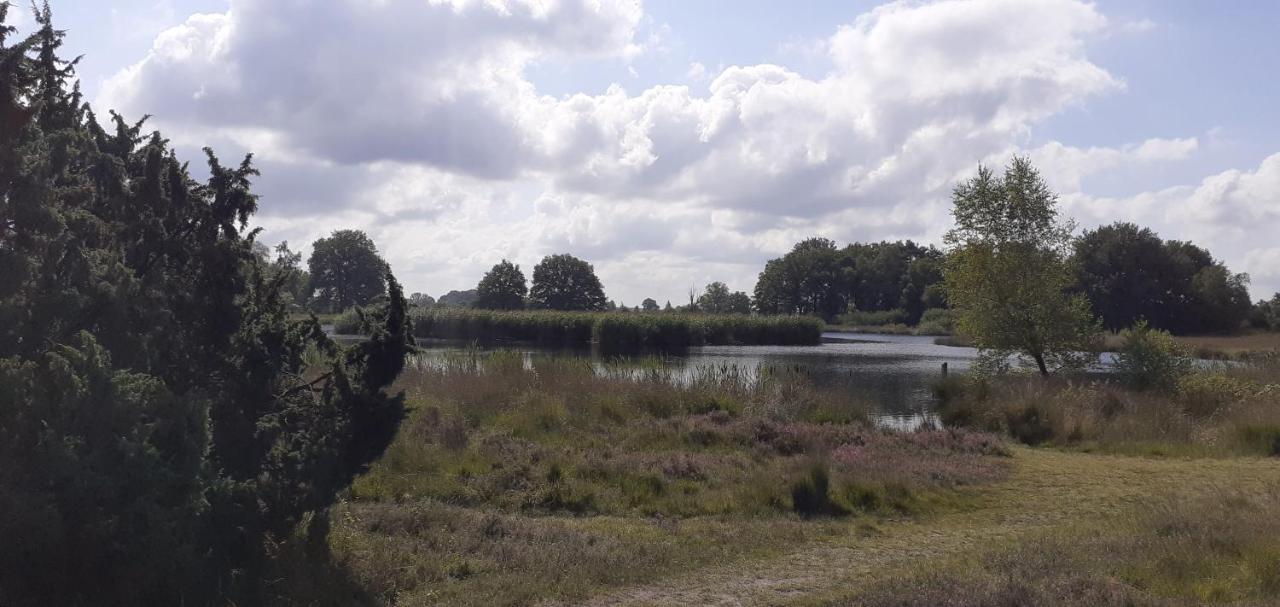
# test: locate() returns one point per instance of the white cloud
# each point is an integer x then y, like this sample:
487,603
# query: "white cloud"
416,121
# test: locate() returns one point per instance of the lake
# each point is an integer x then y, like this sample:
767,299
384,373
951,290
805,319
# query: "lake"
893,373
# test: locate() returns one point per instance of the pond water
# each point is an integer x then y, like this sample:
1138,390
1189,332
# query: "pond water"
892,373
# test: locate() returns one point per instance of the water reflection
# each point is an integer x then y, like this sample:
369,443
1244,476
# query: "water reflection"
892,373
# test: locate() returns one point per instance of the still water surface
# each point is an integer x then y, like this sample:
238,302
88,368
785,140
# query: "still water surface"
892,373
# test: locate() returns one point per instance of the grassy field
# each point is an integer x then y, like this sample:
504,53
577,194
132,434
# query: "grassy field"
513,482
549,481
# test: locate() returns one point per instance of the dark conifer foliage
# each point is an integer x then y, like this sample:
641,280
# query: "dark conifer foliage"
163,424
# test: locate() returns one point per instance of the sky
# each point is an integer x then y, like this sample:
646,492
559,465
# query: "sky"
674,143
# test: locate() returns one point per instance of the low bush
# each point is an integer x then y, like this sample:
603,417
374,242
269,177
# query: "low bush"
810,496
1150,359
873,318
936,321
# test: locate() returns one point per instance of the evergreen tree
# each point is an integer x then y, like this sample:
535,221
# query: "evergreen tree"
164,426
502,288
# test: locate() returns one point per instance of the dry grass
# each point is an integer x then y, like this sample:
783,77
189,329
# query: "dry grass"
513,481
1051,494
1227,411
1223,347
1220,546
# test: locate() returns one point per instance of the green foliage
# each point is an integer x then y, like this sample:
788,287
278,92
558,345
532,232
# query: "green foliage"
564,282
164,426
1130,274
936,321
1266,314
346,271
502,288
858,318
1150,359
615,331
649,305
817,278
1007,275
717,299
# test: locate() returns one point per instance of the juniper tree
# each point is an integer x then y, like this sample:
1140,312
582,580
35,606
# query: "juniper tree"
162,421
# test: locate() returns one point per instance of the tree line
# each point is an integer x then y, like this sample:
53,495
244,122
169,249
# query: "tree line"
1126,273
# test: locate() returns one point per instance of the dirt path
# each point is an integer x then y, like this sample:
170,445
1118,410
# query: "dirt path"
1047,490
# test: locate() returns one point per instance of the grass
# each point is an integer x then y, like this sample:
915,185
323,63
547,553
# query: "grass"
1051,494
515,480
1210,547
1241,347
1220,412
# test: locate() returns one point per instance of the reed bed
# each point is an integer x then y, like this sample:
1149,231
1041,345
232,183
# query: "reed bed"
614,331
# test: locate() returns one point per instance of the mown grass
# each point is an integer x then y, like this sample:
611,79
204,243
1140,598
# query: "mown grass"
1216,547
517,478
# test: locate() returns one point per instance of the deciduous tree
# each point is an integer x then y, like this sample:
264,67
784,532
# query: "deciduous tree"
502,288
564,282
1007,274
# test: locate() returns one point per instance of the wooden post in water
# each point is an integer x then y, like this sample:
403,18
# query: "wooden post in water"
944,369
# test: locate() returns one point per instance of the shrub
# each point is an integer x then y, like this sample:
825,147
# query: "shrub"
810,495
1150,359
1262,438
936,321
872,318
1204,394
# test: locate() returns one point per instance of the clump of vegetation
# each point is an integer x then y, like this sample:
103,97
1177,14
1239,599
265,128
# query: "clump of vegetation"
1150,359
875,318
1225,411
936,321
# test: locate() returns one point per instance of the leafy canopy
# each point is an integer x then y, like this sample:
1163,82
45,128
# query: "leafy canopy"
1007,274
564,282
502,288
346,271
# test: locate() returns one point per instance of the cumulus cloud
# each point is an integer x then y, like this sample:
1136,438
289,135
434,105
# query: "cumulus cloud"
433,82
416,121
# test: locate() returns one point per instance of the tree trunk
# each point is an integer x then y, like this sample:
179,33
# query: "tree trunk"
1039,358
